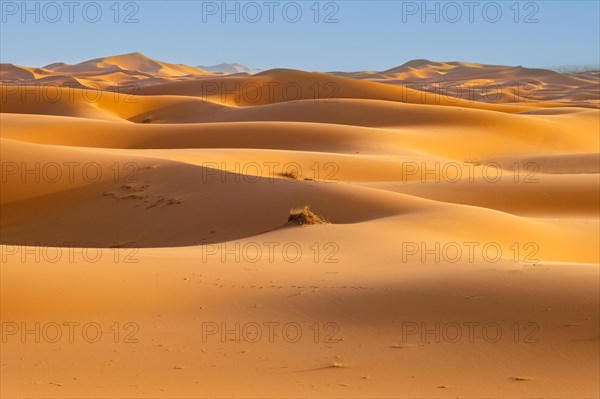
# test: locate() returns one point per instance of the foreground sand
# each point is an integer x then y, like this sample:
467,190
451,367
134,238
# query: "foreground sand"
461,259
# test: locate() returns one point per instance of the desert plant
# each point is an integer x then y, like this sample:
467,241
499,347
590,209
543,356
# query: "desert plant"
148,119
304,216
292,174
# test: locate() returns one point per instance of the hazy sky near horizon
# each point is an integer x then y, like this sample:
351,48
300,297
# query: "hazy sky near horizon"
309,35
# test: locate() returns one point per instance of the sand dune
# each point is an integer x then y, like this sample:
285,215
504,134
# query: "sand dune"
113,72
541,195
10,72
489,83
403,128
129,62
181,179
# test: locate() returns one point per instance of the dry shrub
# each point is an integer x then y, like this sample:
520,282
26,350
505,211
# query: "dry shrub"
304,216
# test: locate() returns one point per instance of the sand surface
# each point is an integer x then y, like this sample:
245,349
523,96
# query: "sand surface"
146,249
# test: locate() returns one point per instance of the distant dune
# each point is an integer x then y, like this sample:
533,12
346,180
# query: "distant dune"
230,69
101,73
420,81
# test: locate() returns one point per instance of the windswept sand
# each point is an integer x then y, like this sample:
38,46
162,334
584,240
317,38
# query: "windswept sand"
153,199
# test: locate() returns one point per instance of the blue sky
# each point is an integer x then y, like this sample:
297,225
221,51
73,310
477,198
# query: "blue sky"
342,35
